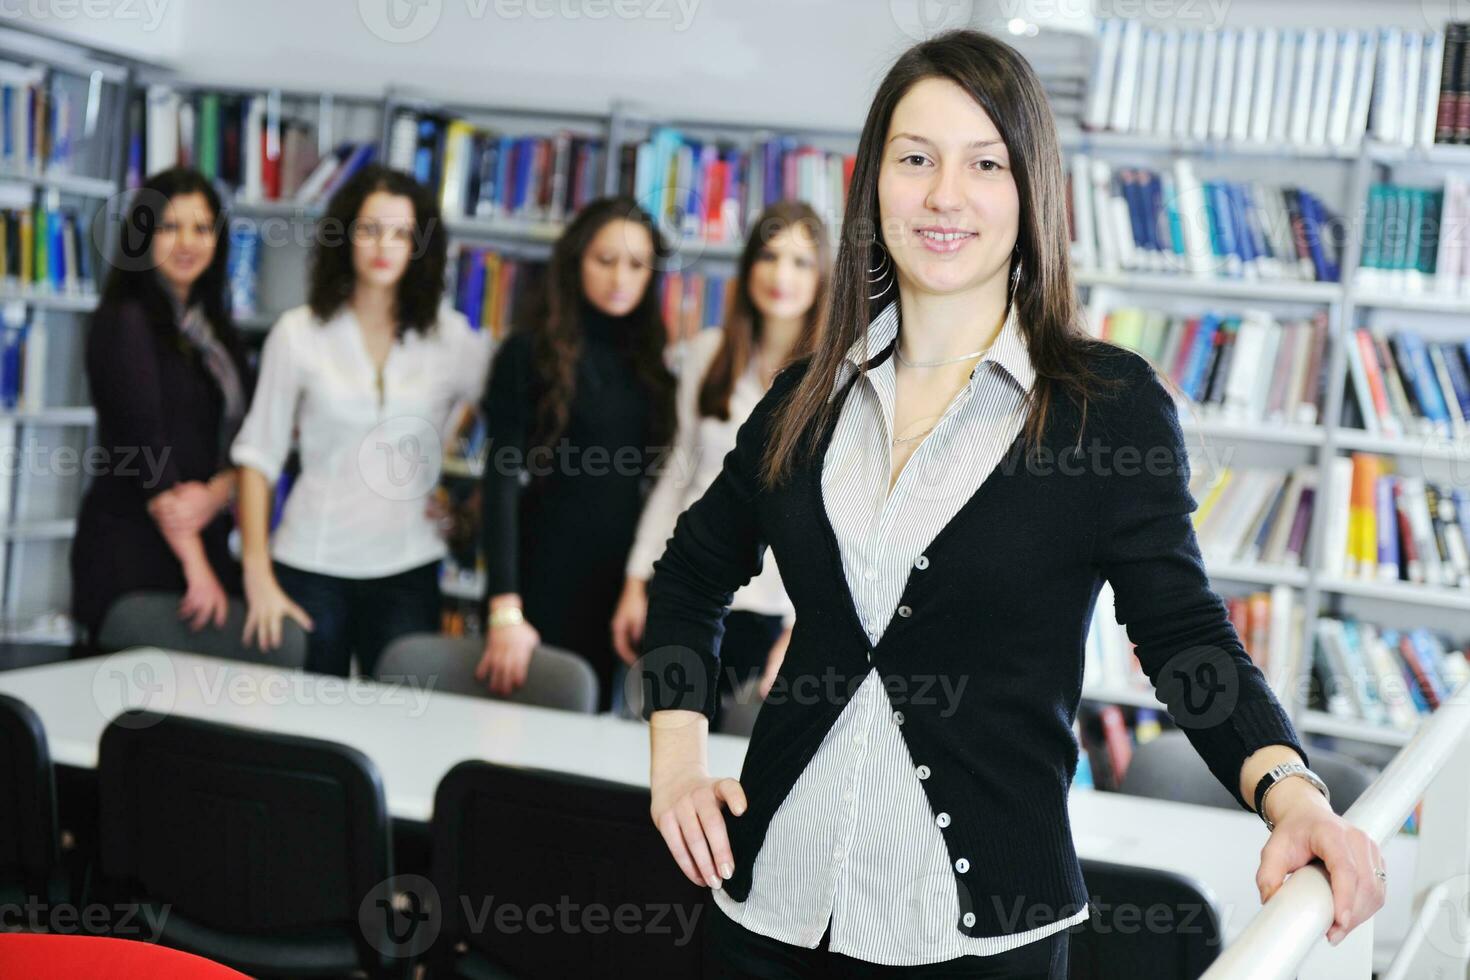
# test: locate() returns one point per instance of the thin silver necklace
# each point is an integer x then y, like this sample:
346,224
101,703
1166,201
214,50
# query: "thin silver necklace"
948,360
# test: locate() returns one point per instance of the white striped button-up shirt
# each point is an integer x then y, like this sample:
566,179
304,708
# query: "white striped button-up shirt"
856,841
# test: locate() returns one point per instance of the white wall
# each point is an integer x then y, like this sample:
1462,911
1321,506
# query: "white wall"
811,62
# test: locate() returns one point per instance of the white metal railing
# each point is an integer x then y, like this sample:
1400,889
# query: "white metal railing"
1285,939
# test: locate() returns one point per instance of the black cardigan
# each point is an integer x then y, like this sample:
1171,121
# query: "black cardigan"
983,658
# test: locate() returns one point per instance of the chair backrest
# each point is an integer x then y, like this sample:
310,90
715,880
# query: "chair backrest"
555,679
1169,768
534,840
30,854
151,619
262,846
1143,924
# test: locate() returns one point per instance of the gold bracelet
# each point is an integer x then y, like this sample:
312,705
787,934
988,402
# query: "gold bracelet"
507,616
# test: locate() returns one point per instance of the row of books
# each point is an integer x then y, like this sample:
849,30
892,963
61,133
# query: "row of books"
38,120
1383,676
1413,85
1269,623
1402,385
692,301
245,142
1303,88
1384,526
1408,236
1246,367
22,358
45,248
1137,219
1254,516
490,288
711,191
1108,737
1452,119
481,173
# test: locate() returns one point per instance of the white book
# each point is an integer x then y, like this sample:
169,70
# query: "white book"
252,188
1189,50
1148,87
1245,76
1412,78
1084,249
1102,204
1422,528
7,479
1452,228
1429,88
1340,108
1261,391
163,128
1266,59
33,370
1204,87
1393,690
1387,99
1288,52
1361,391
1321,106
1335,541
1281,664
1306,74
1245,364
1168,83
1193,221
1367,63
1224,85
1122,222
402,141
1125,92
1104,71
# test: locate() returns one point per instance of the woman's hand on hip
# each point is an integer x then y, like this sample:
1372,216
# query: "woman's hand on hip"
629,619
507,657
1307,829
267,608
686,811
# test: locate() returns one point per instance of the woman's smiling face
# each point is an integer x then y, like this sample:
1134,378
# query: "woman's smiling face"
947,199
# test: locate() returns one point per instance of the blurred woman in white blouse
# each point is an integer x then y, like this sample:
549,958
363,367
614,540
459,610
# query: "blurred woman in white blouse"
364,377
775,316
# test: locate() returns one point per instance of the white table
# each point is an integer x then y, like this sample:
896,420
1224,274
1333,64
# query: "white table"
415,737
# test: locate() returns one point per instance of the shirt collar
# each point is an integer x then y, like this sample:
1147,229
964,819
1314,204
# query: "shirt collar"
1009,349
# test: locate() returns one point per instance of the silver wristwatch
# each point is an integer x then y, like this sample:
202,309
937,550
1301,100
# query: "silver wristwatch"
1275,775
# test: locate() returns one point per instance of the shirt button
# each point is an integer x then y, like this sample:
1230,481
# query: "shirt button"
837,854
870,574
898,717
969,919
921,563
905,611
923,772
942,820
857,740
847,796
962,865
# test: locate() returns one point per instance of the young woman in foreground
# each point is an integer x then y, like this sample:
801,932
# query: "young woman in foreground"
945,484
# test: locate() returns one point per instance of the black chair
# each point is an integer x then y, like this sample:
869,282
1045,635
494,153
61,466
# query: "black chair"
1169,768
30,850
151,619
265,849
556,678
537,842
1143,924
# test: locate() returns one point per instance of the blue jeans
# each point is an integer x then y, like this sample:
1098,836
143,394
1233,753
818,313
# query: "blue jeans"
361,615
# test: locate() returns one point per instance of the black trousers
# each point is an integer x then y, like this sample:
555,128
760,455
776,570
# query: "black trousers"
732,952
361,615
749,637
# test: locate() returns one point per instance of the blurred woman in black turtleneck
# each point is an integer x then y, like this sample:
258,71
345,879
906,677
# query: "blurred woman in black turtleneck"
579,400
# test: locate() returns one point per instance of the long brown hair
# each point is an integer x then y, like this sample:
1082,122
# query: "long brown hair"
743,322
556,342
1003,84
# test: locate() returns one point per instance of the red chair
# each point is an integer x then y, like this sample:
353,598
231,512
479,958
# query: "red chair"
39,956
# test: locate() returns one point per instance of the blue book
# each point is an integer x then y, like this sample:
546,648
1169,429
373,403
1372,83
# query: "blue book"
474,292
1244,247
1312,230
1392,639
12,347
1199,357
1426,382
1387,523
1223,215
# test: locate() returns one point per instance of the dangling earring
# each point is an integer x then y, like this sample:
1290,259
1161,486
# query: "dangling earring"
1015,275
882,273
